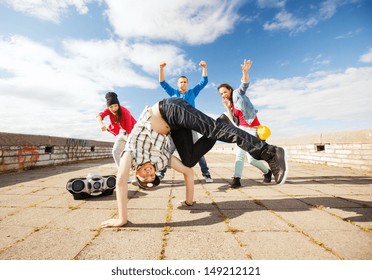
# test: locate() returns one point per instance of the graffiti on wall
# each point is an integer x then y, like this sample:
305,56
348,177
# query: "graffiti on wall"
27,156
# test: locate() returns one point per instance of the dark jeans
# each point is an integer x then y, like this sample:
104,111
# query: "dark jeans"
202,161
183,118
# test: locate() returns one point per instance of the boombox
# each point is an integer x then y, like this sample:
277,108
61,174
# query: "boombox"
92,185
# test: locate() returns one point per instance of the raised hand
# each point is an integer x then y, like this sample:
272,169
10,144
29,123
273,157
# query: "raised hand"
246,66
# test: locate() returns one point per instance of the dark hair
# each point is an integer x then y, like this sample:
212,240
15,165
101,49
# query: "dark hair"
183,77
118,115
225,85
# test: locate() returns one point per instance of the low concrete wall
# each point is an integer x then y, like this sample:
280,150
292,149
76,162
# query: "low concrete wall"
23,151
352,149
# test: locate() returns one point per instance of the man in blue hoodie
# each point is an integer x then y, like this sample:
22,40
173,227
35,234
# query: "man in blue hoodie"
189,96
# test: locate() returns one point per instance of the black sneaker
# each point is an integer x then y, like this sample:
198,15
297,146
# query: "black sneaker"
267,177
276,157
235,183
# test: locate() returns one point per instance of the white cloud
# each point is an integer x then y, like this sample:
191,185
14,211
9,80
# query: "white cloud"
320,97
285,20
107,63
46,92
322,62
317,61
48,10
282,20
192,22
91,65
349,34
367,57
271,3
149,56
42,91
345,35
328,8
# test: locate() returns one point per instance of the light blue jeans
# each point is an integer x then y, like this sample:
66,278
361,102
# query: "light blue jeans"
241,155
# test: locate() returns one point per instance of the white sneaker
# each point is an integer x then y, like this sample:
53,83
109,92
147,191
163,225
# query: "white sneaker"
208,179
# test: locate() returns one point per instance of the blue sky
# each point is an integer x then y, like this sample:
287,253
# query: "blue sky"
311,72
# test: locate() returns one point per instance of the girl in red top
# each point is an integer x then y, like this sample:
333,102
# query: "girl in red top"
121,123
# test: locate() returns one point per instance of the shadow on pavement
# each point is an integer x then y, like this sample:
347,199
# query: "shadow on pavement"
363,213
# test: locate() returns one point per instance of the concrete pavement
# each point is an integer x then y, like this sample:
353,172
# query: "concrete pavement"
321,213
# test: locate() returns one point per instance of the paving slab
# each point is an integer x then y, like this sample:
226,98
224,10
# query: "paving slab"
321,213
279,245
124,244
192,246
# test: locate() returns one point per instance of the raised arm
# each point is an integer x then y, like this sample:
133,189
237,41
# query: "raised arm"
203,81
161,72
203,65
246,66
121,193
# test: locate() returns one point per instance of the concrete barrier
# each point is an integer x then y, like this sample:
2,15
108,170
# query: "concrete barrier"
23,151
351,149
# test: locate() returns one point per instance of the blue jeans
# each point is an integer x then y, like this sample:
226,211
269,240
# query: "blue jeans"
202,162
183,119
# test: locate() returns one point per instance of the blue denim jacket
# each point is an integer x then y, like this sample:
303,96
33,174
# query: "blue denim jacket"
243,103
